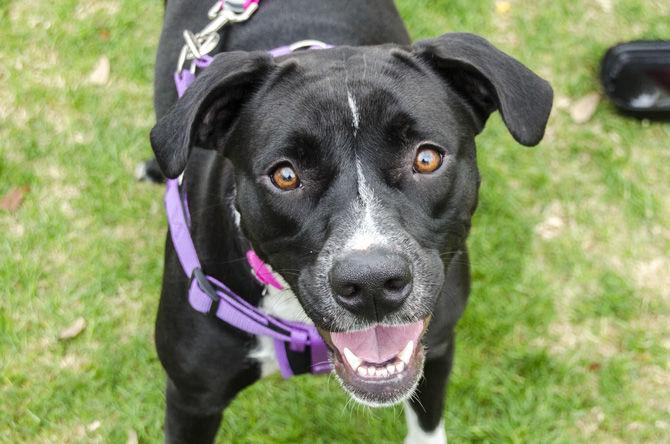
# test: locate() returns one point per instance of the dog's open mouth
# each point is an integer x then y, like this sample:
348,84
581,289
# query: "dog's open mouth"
381,365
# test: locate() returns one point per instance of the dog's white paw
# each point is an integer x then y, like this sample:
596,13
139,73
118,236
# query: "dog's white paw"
416,435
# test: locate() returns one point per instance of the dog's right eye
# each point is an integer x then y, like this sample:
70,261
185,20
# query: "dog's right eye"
285,178
427,160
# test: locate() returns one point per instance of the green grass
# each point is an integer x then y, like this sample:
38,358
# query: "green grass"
566,338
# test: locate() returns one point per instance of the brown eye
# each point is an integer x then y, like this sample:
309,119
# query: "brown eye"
285,178
427,160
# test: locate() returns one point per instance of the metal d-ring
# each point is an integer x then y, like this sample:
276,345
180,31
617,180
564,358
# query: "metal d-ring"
306,44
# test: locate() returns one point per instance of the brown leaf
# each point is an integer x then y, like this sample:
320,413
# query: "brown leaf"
73,330
13,199
594,366
100,74
583,109
104,34
132,437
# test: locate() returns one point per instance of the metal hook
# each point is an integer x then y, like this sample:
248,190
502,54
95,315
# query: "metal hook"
192,43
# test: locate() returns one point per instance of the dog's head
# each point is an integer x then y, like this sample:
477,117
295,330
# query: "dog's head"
356,179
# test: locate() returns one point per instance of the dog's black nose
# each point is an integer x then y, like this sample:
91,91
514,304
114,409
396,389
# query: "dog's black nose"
371,283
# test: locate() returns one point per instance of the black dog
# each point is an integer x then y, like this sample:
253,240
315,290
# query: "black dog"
352,172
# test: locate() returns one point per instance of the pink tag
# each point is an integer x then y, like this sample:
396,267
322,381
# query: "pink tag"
261,270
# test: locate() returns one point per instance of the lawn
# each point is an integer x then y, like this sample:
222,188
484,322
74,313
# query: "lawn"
567,335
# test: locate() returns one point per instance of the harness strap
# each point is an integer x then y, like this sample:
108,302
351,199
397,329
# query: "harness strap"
208,295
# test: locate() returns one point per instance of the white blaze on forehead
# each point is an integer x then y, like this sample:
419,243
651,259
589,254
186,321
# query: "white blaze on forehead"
366,232
354,111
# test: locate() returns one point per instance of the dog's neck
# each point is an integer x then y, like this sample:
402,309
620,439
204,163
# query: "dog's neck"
282,303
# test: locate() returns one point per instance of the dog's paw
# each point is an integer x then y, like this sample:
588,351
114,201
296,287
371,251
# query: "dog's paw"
416,435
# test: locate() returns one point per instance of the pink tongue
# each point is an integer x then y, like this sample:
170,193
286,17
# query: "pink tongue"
378,344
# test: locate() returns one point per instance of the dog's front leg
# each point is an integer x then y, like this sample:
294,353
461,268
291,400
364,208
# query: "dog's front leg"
188,419
425,423
193,415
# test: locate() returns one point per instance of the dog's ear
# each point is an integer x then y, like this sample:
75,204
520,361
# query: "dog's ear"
207,112
489,79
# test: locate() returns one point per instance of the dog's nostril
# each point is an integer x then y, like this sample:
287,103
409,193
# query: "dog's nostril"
349,290
395,285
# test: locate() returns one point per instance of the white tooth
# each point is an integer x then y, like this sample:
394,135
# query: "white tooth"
362,371
371,371
406,354
400,366
390,368
383,372
354,361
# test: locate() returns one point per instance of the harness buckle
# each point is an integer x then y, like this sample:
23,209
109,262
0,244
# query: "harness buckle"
206,288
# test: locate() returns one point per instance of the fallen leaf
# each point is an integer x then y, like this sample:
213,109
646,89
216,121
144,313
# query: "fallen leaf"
583,109
132,437
503,7
550,227
100,74
606,5
594,366
13,199
95,425
73,330
104,34
561,102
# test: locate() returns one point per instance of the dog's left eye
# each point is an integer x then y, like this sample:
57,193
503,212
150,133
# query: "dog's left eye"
285,178
427,160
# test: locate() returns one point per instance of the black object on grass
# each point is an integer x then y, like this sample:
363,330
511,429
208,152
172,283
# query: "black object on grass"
636,78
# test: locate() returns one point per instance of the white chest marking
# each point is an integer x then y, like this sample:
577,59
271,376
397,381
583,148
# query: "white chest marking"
285,305
416,435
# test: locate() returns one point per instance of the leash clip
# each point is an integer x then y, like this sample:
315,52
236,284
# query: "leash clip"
202,43
236,17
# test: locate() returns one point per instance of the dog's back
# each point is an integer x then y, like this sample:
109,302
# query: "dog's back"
276,23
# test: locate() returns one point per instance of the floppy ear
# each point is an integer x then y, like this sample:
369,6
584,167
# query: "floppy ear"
489,79
205,115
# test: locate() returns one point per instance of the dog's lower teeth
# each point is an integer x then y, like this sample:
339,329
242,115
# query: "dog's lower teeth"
380,370
366,370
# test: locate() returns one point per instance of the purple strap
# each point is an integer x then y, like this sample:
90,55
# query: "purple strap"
183,79
206,292
208,295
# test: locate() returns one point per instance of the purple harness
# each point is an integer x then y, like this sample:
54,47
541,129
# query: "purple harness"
298,346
